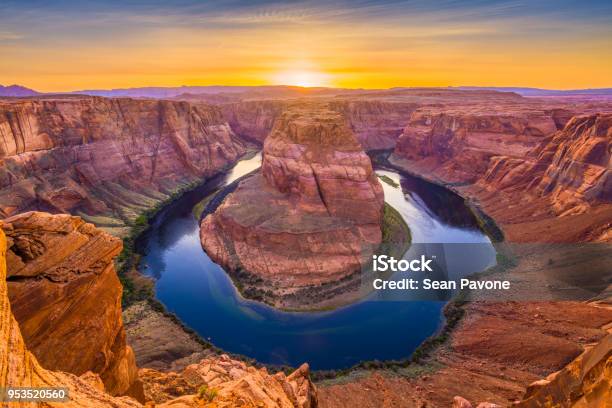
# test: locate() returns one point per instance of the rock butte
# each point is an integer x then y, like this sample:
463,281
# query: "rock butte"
313,213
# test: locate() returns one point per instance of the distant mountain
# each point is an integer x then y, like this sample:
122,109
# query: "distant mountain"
17,90
235,92
541,92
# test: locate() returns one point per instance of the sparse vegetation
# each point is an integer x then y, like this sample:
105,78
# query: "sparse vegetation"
207,394
388,180
394,228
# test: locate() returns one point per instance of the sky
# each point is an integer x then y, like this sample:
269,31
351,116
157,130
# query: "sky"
67,45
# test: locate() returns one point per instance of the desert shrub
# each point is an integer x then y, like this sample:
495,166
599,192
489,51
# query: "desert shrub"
207,394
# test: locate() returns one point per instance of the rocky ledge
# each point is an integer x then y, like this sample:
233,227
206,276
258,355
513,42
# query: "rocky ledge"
310,217
66,297
230,383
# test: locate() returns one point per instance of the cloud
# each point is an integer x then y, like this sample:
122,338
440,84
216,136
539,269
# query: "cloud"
10,36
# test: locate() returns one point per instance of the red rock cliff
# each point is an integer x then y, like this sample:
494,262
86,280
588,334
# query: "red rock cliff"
376,123
66,296
106,157
525,174
457,144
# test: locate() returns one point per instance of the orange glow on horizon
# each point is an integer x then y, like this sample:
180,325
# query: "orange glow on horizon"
319,51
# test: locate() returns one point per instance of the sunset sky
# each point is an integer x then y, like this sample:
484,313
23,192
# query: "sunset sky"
75,45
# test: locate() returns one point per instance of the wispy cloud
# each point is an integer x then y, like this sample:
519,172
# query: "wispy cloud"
10,36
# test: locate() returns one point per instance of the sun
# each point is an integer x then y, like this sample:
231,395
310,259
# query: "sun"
304,79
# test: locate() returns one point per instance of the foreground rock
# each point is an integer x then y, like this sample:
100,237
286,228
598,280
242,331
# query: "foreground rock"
106,159
20,368
66,296
311,217
585,382
229,383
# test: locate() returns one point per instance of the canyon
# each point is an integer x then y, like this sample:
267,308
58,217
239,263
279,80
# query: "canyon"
311,216
107,160
535,181
539,168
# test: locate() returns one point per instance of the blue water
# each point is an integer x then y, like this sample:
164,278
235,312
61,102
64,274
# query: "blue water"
197,290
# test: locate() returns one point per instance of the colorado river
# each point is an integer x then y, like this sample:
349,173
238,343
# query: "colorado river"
202,295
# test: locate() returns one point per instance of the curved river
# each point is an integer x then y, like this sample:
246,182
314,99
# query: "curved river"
202,295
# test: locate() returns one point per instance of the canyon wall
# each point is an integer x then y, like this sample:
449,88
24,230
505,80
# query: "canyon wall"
253,120
309,216
20,368
457,145
66,296
376,123
106,159
523,172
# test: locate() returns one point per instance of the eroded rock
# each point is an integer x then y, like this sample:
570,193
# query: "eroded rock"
66,296
309,217
224,382
106,159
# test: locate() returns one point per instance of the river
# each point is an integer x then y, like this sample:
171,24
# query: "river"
202,295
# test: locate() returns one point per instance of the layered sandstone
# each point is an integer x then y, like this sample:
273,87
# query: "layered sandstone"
525,177
253,120
66,296
106,159
457,145
20,368
376,123
310,216
585,382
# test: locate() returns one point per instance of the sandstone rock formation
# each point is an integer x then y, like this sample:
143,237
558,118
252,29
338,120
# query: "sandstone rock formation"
106,159
231,383
254,119
312,213
376,123
20,368
458,145
585,382
526,176
66,296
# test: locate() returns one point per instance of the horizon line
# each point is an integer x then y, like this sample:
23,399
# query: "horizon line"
311,87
